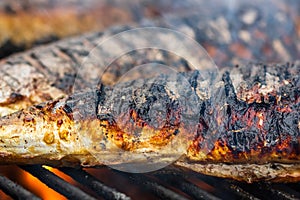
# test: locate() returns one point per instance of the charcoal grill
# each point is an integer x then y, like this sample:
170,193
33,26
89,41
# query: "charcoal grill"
170,183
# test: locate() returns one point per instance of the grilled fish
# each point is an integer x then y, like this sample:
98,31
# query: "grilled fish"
256,128
252,132
49,71
42,22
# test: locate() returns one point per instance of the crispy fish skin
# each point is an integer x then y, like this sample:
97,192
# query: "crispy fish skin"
60,133
260,119
23,91
49,71
259,132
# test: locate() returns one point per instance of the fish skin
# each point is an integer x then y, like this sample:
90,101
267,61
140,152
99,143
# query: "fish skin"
69,131
49,71
20,97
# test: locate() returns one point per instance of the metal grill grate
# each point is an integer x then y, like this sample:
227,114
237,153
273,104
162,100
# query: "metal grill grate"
164,184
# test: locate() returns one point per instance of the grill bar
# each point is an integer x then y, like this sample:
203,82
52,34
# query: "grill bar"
14,190
268,191
165,184
241,192
186,186
156,188
294,186
259,190
100,188
226,187
285,192
56,183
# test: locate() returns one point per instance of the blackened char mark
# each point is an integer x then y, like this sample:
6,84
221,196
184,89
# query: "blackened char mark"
40,66
265,127
101,95
193,80
67,109
229,88
65,83
261,76
154,96
10,47
230,93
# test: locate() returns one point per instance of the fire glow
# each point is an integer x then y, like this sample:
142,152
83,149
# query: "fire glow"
250,132
32,183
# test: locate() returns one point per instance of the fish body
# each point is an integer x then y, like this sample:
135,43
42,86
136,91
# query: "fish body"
252,128
246,127
48,72
47,21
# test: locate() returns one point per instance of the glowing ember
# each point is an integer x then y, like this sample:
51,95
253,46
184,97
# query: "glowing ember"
37,187
261,119
29,182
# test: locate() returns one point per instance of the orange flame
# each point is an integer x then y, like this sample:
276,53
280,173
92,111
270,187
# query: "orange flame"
32,183
40,189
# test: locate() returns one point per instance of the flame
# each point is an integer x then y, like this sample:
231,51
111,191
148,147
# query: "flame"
32,183
37,187
4,196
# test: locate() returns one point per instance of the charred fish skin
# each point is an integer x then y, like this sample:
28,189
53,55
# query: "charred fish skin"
262,151
49,71
21,92
258,138
260,122
67,132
